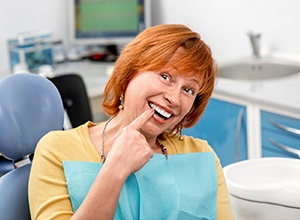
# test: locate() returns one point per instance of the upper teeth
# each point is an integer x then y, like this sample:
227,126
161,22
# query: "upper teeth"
160,111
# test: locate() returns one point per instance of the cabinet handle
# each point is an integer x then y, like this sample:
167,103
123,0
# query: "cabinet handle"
284,147
238,133
285,128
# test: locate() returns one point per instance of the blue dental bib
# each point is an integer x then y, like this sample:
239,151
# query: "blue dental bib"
182,187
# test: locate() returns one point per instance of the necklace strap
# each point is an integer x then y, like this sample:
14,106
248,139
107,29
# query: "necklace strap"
102,154
163,148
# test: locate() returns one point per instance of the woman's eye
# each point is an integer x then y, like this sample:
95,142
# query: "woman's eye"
165,76
189,91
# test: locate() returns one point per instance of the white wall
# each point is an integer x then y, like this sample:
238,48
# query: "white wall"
223,24
18,16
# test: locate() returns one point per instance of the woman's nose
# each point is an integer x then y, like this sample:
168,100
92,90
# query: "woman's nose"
172,96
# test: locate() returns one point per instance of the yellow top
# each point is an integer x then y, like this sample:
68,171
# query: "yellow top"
48,194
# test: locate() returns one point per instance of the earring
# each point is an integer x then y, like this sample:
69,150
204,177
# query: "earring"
180,132
121,106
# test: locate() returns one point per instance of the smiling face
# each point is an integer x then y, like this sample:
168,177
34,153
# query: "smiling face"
169,92
152,50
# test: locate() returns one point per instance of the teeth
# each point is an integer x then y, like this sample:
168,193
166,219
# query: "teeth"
160,111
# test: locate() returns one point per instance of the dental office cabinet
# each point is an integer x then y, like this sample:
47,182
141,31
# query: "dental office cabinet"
252,119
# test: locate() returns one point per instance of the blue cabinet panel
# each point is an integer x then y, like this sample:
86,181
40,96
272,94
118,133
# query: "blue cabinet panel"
224,126
268,119
278,128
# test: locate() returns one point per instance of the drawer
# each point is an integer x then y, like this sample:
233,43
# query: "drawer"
280,124
267,152
288,140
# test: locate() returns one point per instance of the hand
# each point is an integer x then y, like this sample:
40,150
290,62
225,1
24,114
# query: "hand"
131,151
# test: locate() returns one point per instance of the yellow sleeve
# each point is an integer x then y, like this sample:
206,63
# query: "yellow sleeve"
223,203
47,190
224,211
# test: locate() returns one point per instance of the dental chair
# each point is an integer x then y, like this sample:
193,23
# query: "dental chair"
75,99
30,107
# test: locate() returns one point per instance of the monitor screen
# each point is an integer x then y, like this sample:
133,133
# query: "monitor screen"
106,22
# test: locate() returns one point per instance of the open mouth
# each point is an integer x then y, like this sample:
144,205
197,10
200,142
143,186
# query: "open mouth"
160,112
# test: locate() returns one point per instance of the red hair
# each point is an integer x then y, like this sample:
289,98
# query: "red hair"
150,51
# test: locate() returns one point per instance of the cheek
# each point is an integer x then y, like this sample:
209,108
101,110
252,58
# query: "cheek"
187,106
137,94
185,109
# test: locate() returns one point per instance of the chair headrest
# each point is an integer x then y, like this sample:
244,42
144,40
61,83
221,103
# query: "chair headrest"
30,107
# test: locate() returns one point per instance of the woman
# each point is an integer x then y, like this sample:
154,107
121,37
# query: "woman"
137,165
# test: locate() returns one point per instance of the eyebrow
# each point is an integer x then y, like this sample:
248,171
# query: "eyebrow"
197,82
172,66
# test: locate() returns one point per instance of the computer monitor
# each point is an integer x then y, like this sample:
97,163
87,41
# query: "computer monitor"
107,22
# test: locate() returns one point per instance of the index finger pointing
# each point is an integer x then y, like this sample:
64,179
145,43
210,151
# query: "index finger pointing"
138,123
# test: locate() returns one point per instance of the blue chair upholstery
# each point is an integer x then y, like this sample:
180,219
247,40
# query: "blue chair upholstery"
30,107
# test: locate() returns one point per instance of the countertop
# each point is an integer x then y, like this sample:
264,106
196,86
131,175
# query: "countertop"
278,92
94,74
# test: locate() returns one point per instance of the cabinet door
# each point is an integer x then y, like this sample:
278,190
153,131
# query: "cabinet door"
280,135
223,125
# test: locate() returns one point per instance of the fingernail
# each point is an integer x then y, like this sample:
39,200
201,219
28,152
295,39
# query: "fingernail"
151,110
